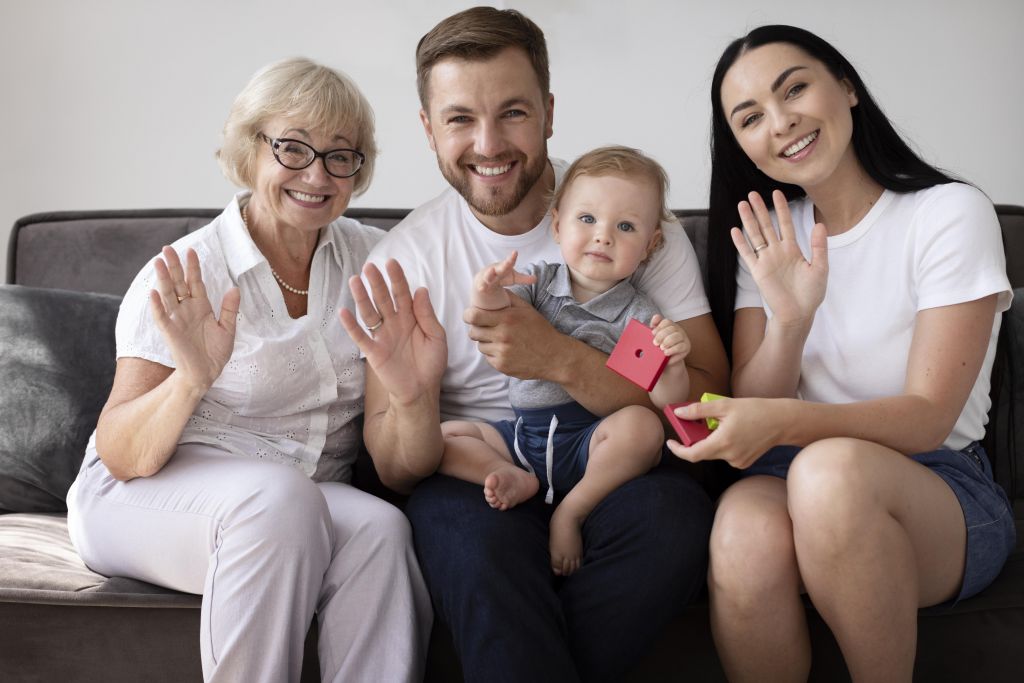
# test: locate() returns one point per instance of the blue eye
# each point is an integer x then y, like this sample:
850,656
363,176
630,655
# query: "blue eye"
514,114
625,226
587,218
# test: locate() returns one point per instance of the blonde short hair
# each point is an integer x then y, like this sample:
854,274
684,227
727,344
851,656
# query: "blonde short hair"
624,162
323,98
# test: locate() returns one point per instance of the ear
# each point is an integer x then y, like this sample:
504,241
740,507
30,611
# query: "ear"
554,223
549,127
656,239
851,92
428,129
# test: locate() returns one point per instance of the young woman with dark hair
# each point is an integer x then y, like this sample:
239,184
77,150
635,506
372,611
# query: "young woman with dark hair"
884,155
864,312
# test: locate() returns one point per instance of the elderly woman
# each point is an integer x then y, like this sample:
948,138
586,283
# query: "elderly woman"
219,462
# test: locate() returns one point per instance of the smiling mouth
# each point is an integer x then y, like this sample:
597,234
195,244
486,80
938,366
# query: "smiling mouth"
491,171
800,144
308,198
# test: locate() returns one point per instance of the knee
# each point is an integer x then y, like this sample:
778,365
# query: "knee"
635,426
284,510
455,531
751,552
386,528
829,490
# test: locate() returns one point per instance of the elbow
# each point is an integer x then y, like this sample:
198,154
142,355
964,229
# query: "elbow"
930,437
122,466
118,470
399,480
931,440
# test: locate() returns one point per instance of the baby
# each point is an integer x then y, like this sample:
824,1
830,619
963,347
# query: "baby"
606,219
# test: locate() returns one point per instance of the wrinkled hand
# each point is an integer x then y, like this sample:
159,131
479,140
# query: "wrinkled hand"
792,286
200,343
747,427
671,338
489,284
517,341
407,350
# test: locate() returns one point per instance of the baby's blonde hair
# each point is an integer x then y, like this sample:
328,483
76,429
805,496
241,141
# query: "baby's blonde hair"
624,162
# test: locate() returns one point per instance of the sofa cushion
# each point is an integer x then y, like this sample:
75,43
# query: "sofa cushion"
1004,435
56,369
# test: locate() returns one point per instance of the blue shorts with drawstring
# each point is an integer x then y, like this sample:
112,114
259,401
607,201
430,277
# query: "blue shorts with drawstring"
570,440
991,534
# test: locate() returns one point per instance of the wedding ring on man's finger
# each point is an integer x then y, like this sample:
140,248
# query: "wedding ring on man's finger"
759,248
376,325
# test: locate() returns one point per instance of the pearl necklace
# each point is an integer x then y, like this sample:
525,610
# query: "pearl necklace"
293,290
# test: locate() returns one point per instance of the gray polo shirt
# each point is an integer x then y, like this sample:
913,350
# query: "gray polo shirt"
599,323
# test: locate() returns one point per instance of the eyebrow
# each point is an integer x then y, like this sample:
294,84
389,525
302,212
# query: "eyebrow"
776,84
305,133
507,104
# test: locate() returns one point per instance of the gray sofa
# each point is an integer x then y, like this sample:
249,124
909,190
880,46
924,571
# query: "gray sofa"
59,621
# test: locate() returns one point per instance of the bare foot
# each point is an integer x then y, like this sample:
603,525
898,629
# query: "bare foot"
566,541
509,486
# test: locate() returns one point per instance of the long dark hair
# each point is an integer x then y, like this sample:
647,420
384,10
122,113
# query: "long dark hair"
881,151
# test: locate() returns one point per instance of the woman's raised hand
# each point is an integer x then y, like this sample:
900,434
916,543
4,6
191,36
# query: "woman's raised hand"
408,349
200,343
792,286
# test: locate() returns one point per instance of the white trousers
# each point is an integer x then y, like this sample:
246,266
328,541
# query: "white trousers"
267,548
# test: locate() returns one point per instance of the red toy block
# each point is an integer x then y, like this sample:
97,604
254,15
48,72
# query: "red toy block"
689,431
635,356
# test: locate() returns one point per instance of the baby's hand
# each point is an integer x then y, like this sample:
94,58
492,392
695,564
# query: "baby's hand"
671,339
488,284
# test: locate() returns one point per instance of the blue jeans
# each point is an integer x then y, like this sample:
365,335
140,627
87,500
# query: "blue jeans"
489,575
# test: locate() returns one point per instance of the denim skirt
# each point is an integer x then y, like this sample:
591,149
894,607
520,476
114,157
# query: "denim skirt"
991,534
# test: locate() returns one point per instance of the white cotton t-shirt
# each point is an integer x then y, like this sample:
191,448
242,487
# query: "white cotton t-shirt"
293,387
913,251
441,246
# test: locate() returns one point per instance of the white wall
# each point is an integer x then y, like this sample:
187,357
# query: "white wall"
119,103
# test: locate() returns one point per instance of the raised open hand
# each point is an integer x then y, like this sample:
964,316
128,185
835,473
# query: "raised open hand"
489,284
200,343
792,286
408,349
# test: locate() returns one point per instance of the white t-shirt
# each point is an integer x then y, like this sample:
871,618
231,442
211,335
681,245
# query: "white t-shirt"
441,246
925,249
292,387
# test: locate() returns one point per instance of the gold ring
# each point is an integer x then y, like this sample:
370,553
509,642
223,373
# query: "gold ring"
180,298
763,246
376,325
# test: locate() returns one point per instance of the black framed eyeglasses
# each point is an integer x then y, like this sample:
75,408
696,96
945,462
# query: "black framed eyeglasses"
297,155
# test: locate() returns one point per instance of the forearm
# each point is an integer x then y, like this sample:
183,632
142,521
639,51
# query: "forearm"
773,371
907,423
673,386
404,441
580,370
137,438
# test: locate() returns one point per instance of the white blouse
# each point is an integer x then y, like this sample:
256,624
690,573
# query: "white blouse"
293,388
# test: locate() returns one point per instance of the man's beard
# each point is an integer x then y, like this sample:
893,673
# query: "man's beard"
494,202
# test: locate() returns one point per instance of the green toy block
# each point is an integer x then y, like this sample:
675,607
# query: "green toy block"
708,396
